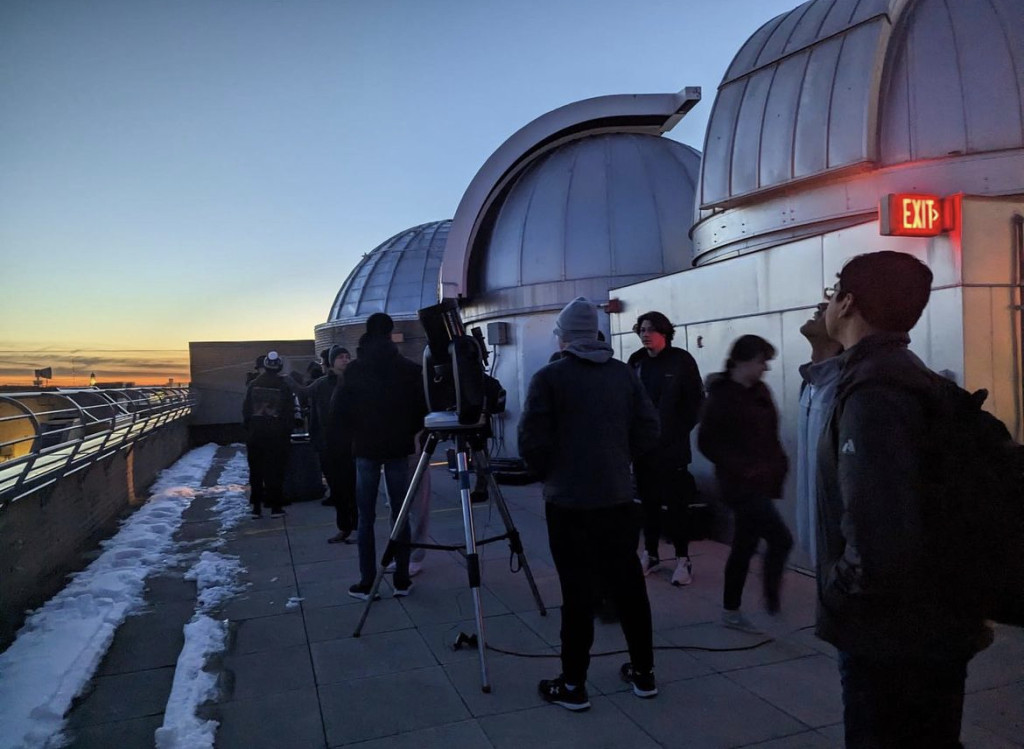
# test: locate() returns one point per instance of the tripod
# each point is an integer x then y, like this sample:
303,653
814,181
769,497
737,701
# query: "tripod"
466,439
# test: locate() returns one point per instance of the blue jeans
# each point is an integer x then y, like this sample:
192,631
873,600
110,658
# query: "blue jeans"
902,703
396,478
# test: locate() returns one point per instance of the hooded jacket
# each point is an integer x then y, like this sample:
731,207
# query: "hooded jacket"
586,417
677,397
381,400
877,596
739,433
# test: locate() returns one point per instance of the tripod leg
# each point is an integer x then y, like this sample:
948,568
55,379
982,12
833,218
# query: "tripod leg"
472,563
514,541
400,522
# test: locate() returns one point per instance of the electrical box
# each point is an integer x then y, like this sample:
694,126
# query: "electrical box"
498,334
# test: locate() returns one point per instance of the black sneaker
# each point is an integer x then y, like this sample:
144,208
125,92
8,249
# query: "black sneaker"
256,514
643,682
401,592
362,592
278,513
557,693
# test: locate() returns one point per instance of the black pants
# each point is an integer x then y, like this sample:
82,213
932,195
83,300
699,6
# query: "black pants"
756,519
589,542
339,468
902,704
268,457
665,486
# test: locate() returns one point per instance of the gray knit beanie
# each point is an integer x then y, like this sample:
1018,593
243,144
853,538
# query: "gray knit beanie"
577,322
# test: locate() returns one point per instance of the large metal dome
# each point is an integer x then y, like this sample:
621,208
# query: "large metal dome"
837,84
398,277
847,100
606,206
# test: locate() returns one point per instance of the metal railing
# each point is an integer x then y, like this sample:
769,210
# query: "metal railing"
48,434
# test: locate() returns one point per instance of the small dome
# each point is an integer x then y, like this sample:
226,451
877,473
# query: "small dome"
605,206
398,277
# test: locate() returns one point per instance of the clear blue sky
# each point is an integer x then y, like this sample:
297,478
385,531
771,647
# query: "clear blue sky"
213,169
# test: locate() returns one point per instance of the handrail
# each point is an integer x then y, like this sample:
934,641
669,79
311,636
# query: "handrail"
48,434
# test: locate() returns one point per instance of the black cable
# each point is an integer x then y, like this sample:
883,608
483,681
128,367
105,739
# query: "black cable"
471,640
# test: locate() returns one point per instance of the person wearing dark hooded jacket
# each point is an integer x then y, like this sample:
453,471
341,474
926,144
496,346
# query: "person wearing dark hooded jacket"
739,434
382,401
586,417
332,441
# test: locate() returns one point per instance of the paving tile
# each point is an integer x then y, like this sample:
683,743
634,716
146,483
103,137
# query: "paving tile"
513,682
339,622
267,633
369,655
604,726
431,606
706,712
806,688
170,587
123,734
335,592
505,631
106,703
738,649
804,740
834,734
268,578
198,530
254,603
396,703
283,719
252,675
151,639
1001,663
997,711
330,569
463,735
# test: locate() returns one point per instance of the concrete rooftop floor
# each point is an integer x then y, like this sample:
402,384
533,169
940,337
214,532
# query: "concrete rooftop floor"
296,677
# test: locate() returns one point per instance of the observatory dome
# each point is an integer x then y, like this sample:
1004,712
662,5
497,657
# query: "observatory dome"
927,92
397,277
605,206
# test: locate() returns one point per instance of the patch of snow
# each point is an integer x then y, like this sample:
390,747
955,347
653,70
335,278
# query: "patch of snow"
182,728
62,643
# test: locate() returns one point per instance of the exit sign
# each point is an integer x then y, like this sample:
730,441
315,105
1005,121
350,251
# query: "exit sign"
903,215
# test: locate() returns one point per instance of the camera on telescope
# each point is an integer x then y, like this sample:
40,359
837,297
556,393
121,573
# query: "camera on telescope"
454,379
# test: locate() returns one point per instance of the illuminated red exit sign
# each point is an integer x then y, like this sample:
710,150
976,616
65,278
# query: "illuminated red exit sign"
903,215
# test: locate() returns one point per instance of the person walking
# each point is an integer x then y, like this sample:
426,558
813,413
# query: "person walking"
739,434
586,416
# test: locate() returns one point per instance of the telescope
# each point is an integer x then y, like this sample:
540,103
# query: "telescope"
453,369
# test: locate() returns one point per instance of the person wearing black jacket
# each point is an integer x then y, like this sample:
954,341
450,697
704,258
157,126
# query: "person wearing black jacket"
739,433
903,641
585,418
333,444
672,380
382,400
267,415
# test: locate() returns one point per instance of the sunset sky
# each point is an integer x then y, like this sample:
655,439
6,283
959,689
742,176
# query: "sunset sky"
213,169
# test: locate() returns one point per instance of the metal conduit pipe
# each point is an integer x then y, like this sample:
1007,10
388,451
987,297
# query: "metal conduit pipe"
104,422
1018,242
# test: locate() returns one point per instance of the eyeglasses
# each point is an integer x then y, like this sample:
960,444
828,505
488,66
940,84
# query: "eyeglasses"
831,292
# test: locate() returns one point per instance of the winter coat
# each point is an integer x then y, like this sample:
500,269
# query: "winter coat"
739,433
586,417
381,400
877,595
677,395
269,406
326,433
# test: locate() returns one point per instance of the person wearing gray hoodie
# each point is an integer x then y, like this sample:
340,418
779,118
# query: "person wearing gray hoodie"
586,418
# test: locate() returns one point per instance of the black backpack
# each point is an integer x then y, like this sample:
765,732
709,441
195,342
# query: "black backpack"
974,506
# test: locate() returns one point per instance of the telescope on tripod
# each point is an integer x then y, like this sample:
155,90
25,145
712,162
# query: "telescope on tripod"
461,397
